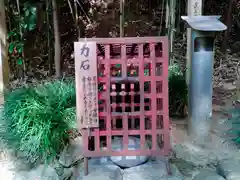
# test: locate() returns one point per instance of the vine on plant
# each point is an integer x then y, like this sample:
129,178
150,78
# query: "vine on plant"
24,21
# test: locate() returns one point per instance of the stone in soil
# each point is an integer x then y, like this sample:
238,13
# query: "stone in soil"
207,152
100,168
188,169
194,154
72,153
103,169
40,173
229,86
104,173
6,170
155,170
208,175
230,168
63,173
128,161
10,163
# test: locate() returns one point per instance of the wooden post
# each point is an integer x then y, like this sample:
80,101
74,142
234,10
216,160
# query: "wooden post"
57,43
4,67
194,9
229,25
49,34
172,8
122,3
166,18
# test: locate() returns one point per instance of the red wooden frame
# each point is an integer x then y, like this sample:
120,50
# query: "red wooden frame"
156,60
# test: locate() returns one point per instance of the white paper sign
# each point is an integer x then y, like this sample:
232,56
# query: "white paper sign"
86,83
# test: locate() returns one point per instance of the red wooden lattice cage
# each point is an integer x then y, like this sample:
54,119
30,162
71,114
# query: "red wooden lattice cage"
133,96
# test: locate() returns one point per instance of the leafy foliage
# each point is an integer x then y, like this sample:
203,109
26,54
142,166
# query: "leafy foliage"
178,92
37,119
22,22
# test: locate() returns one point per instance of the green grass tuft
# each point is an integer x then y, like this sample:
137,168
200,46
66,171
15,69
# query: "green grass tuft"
36,119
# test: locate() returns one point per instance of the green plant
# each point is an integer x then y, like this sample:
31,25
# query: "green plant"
37,119
178,91
175,70
23,20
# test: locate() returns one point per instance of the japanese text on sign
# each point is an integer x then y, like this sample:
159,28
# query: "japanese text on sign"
86,84
196,7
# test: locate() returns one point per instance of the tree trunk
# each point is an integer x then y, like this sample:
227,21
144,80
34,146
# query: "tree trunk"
172,8
162,29
229,25
49,36
4,68
122,4
77,21
166,17
57,45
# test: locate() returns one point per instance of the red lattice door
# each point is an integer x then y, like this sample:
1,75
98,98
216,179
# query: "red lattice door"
132,79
